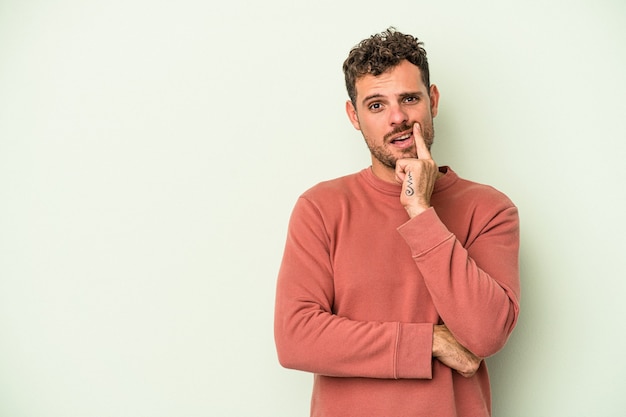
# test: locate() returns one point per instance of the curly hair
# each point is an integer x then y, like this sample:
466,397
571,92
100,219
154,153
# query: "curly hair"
381,52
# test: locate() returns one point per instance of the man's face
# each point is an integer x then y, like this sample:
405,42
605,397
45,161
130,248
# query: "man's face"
387,106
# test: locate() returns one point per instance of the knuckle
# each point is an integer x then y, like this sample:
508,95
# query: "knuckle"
473,366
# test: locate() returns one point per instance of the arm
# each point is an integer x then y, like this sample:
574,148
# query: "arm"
310,337
475,289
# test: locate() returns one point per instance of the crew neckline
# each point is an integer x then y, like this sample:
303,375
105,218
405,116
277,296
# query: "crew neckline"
448,178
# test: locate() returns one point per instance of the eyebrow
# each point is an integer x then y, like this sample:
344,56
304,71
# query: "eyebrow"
366,99
414,93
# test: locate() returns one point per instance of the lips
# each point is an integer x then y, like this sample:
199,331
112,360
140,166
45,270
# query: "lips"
403,140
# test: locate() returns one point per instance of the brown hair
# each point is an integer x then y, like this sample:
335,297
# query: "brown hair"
381,52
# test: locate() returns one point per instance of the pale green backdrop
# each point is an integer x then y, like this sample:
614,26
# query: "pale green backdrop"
151,152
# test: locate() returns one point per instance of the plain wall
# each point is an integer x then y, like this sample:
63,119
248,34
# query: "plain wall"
151,153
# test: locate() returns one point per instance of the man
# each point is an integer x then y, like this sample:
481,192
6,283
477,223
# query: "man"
397,280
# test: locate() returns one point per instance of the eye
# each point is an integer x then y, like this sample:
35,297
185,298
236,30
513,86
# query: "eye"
411,99
375,107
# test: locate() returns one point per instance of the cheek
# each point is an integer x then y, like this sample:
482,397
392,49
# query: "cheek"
369,127
365,132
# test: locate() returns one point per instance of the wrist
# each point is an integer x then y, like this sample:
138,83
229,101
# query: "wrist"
414,211
436,349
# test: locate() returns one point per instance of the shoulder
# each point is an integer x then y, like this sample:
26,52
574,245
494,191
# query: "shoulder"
472,203
324,204
471,192
484,194
333,189
332,200
470,208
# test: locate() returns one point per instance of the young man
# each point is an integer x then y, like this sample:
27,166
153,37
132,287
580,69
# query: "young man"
397,280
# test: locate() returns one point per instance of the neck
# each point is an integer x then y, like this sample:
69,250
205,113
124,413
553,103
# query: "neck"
384,172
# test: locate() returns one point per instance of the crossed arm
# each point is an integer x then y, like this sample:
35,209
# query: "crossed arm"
418,176
478,313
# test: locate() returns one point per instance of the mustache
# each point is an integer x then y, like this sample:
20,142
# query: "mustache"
399,129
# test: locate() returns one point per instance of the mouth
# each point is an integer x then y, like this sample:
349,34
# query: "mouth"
403,140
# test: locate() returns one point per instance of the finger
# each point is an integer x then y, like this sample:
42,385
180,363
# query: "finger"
420,144
400,173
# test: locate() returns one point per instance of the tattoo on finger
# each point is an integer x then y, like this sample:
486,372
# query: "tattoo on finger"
409,191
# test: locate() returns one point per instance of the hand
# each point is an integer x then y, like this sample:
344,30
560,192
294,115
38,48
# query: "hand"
450,352
418,176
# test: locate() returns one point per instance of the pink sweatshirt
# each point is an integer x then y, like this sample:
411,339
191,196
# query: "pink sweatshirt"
361,286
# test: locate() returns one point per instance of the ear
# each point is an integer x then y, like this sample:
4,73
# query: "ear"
434,100
351,112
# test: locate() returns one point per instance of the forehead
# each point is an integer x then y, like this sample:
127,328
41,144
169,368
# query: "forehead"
404,77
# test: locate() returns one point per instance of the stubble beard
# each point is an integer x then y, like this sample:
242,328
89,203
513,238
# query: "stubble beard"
385,156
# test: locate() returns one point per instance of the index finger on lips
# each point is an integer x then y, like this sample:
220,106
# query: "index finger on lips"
420,144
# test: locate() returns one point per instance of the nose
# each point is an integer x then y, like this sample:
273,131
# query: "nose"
398,115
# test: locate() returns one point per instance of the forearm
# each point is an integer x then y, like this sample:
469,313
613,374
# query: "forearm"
308,338
477,301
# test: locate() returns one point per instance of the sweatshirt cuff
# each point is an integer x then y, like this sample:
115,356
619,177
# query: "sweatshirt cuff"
414,351
424,232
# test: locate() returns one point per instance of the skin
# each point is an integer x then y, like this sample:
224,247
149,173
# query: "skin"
394,112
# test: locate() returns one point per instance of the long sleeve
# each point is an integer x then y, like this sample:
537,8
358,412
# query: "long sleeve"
474,285
311,337
361,286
